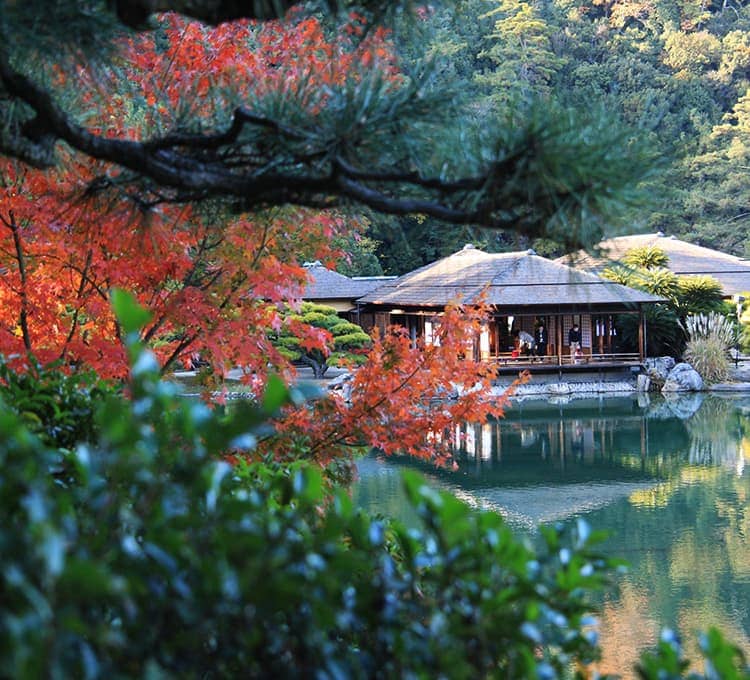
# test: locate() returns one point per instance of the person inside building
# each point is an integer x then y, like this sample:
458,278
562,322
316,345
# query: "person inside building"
525,343
574,340
540,345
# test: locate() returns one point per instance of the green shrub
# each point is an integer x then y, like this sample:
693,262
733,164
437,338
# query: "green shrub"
722,659
160,559
58,407
346,345
664,336
744,322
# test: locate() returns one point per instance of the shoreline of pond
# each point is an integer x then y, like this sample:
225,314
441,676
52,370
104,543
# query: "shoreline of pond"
586,389
540,387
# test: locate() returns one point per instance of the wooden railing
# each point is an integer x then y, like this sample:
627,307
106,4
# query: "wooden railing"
616,357
624,358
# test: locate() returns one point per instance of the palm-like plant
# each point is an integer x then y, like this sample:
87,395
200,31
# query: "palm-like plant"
646,257
661,282
698,294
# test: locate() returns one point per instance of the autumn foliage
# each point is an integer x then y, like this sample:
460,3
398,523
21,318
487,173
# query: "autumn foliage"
406,398
216,281
211,285
187,73
211,278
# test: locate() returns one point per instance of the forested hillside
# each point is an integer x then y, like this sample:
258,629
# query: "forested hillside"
675,71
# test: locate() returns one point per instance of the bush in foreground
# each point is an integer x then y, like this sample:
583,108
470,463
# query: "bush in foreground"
152,556
58,407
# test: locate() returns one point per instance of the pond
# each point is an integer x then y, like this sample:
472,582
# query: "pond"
667,479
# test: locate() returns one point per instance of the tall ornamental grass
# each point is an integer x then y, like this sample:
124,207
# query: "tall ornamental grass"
710,336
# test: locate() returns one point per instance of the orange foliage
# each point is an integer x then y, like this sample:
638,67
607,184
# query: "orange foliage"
215,284
212,288
187,71
404,399
66,238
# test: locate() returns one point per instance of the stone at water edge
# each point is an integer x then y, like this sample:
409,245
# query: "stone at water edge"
642,383
683,378
657,369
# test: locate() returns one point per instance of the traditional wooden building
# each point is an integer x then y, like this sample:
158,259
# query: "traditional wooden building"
523,290
328,287
688,259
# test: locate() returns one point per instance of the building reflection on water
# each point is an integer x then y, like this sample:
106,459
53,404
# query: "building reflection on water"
542,463
602,433
666,479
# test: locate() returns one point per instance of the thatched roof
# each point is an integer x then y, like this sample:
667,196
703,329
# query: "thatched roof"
684,258
509,279
326,284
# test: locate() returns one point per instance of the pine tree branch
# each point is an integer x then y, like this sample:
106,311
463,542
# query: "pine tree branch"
173,161
256,161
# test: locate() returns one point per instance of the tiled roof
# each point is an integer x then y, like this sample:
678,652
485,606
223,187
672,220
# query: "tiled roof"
325,284
509,279
684,258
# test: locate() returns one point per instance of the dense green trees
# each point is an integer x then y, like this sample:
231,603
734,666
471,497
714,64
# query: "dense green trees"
389,134
676,71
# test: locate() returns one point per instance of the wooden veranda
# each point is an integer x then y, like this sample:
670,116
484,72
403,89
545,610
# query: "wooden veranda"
523,290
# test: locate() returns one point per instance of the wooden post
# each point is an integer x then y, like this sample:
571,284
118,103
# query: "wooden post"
641,335
497,338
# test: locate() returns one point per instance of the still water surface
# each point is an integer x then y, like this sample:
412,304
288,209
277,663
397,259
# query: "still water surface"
670,481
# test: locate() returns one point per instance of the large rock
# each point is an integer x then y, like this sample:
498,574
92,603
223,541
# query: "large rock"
657,369
683,378
343,385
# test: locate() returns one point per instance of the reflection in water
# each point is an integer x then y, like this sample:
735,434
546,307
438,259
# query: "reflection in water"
667,478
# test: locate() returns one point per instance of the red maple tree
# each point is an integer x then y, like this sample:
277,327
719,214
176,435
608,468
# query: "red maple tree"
211,279
214,281
406,398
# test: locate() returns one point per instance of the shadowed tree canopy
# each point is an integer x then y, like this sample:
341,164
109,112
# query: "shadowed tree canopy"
135,13
389,135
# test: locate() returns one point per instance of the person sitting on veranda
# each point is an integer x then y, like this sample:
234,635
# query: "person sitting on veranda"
525,342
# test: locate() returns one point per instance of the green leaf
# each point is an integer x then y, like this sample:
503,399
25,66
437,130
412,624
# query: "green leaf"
130,314
276,394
